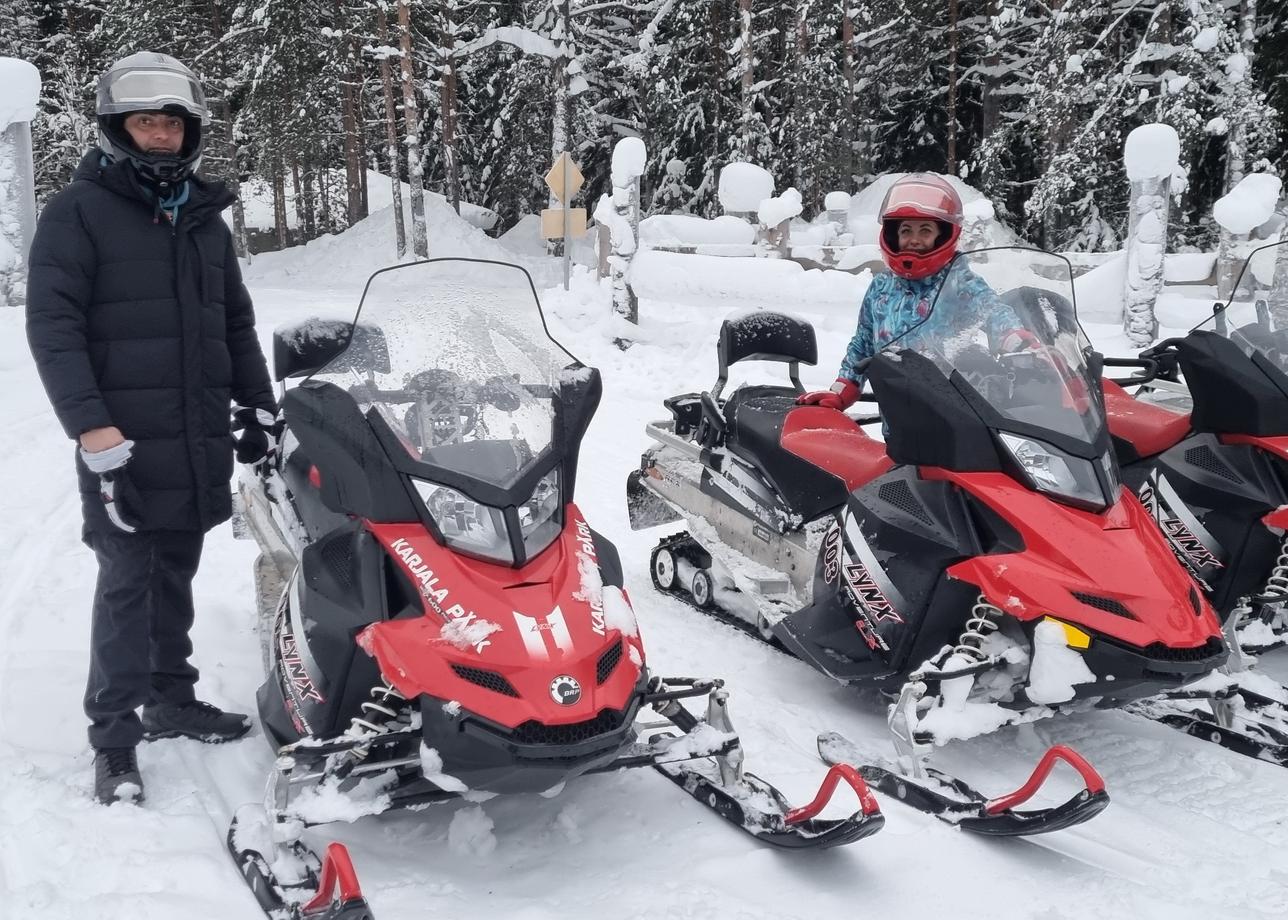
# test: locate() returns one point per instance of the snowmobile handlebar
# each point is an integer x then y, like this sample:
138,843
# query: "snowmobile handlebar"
1153,367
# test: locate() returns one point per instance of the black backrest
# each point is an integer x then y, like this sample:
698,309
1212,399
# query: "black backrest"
766,336
1043,310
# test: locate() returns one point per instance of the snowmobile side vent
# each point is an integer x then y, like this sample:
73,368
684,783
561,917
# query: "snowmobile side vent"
1205,459
337,554
489,680
899,494
533,732
1107,604
1195,604
607,662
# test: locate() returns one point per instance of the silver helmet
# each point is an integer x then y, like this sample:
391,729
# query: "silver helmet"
151,82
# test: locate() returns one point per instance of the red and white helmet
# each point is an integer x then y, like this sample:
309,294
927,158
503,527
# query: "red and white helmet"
920,196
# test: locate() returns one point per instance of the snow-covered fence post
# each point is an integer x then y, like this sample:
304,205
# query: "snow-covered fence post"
620,213
837,206
1247,206
19,97
1151,154
743,186
775,215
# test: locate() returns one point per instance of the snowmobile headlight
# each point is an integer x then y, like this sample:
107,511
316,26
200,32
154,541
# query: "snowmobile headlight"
465,524
541,516
1051,470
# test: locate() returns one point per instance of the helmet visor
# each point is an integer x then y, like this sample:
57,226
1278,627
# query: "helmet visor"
911,199
140,89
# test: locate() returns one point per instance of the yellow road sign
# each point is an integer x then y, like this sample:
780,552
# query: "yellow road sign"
565,178
552,223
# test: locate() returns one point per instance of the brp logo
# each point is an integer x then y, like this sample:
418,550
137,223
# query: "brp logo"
565,690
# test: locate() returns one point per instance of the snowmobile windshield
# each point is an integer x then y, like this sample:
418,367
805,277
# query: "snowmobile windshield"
1255,317
452,356
1003,321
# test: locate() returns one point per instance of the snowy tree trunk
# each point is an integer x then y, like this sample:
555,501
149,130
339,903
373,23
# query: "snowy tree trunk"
349,120
620,213
391,132
297,193
748,68
221,112
990,110
279,203
1232,250
1237,133
847,70
1146,247
451,155
415,168
17,211
951,160
560,122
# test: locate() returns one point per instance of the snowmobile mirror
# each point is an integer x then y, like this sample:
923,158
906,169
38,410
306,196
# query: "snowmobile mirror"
307,347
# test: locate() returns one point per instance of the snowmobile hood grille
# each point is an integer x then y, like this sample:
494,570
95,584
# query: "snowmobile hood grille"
487,679
1107,604
608,661
533,732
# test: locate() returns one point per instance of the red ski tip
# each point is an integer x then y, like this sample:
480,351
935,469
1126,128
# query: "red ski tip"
838,772
337,873
1056,752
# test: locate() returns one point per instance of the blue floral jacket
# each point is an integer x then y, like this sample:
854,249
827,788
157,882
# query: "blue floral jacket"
894,305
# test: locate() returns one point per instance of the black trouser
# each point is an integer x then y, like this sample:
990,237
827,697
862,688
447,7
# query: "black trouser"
139,643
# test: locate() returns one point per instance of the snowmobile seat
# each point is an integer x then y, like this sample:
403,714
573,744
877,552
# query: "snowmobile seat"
1148,429
755,416
833,441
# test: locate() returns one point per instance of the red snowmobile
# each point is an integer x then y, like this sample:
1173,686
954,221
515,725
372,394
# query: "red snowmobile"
439,618
984,566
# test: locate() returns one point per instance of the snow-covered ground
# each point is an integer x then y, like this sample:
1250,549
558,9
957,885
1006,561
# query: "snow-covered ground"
1193,831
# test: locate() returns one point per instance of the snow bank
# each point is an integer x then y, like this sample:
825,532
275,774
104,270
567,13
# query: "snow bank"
743,186
685,278
773,211
629,159
1099,292
1188,267
1152,152
1249,204
836,201
257,203
19,91
684,230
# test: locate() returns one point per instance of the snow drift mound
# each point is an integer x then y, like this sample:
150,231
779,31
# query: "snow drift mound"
348,258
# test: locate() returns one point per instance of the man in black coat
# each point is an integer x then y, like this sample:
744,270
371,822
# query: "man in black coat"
144,337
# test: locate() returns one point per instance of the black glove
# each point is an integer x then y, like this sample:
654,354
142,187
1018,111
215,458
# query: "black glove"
260,430
121,499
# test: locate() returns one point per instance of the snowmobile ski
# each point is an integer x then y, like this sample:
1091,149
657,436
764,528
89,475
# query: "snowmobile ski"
327,888
955,802
1235,717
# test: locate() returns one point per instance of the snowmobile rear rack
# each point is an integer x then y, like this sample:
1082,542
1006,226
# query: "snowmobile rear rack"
955,802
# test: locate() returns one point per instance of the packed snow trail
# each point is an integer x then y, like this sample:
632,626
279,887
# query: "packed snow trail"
1193,831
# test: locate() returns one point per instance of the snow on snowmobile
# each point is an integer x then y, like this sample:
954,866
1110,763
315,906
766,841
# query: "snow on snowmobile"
983,567
1208,454
438,618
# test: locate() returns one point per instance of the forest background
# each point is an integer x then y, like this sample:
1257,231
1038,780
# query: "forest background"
1028,101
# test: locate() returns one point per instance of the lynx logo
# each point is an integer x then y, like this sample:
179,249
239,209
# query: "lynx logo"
1189,549
297,686
565,690
868,594
832,554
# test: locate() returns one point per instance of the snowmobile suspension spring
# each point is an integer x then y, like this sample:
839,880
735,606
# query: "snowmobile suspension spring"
379,713
1277,583
982,623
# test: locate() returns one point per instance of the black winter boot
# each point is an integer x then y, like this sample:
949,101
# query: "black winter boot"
116,776
193,720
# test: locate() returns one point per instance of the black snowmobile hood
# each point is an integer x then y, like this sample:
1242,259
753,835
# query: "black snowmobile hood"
205,198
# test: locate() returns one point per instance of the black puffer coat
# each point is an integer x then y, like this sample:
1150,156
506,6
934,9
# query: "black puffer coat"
147,326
